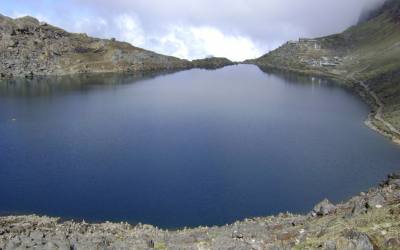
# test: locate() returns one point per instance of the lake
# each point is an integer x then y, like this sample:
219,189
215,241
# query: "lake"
189,148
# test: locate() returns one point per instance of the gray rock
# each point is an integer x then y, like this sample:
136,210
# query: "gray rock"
392,243
354,240
329,245
13,244
395,183
50,246
323,208
375,201
395,175
273,247
236,234
36,236
359,207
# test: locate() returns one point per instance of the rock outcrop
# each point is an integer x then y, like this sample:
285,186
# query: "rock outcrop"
376,226
29,48
212,63
323,208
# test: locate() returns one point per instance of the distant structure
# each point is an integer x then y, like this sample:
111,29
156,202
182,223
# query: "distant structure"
306,40
313,43
306,43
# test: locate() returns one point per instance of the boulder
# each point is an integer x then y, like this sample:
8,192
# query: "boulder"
329,245
353,240
359,206
375,201
392,243
237,234
50,246
395,175
395,183
323,208
392,179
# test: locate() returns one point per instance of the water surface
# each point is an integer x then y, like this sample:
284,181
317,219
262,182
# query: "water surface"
190,148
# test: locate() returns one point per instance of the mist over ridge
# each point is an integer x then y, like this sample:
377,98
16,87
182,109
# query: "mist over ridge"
235,29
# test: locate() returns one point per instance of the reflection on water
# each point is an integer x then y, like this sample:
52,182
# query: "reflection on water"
56,85
296,78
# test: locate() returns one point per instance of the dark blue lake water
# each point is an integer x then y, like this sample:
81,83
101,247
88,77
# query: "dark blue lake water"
184,149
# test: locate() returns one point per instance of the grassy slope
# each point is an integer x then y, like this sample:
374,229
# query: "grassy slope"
370,52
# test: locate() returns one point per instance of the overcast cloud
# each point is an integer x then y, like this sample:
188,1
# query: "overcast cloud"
237,29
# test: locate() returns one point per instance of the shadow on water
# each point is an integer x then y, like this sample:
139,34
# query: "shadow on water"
297,78
59,85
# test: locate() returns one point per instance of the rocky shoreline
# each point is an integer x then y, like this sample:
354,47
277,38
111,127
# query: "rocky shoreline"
370,220
375,119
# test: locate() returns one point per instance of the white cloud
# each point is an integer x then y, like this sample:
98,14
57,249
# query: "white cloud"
216,43
130,30
182,41
38,16
85,24
199,42
172,45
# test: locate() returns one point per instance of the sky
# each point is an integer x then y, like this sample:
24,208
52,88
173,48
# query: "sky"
192,29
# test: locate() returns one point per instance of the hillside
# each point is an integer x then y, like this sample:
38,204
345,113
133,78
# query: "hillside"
368,53
212,62
29,47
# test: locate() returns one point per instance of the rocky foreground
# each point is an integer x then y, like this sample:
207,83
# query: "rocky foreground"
29,48
370,220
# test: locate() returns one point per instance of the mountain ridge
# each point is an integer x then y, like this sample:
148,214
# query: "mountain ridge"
29,48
